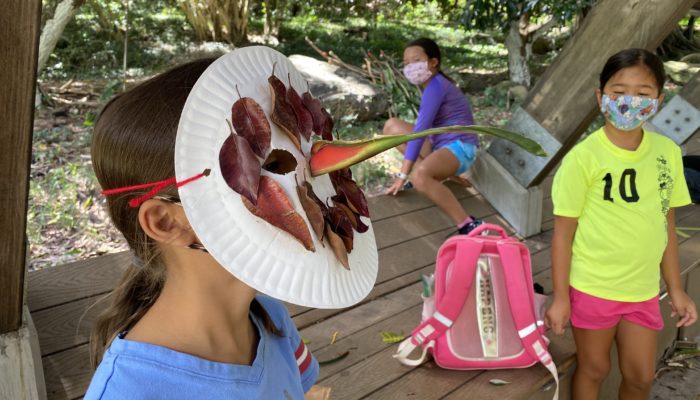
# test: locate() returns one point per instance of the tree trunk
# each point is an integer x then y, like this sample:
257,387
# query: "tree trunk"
53,29
238,26
274,10
518,55
218,20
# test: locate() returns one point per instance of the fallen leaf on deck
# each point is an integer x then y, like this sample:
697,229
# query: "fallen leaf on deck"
391,337
337,357
334,336
498,382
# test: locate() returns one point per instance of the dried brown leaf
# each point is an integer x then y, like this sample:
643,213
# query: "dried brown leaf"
313,211
338,246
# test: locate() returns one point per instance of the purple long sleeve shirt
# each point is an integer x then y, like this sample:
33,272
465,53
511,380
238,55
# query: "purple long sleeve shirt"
442,104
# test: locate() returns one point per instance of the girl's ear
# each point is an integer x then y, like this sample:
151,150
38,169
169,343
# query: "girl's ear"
599,96
165,223
433,64
661,99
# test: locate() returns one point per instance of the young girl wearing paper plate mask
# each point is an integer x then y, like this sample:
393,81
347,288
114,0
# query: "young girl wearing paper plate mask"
187,321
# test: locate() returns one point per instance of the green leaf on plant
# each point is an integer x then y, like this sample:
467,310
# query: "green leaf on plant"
391,337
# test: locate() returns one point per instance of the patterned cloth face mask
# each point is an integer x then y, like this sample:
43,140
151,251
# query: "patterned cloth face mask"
417,72
628,112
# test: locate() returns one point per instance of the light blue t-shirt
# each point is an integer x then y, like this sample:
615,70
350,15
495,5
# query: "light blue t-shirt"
283,369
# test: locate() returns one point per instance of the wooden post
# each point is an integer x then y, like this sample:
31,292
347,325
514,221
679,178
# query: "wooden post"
680,118
21,374
19,30
562,104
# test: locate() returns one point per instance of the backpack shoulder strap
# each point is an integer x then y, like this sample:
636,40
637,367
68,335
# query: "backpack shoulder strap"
449,306
523,311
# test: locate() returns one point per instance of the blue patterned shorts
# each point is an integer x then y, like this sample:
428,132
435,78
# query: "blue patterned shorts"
465,153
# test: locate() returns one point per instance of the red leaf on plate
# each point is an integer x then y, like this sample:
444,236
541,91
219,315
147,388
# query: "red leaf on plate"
343,182
249,121
282,112
305,122
327,127
339,200
322,120
275,208
240,167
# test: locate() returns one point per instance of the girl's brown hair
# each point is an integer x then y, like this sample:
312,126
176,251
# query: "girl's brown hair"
134,143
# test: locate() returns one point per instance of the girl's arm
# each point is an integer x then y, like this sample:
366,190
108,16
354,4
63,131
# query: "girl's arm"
430,103
681,303
558,313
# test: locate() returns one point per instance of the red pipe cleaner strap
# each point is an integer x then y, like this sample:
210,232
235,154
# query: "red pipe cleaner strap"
157,188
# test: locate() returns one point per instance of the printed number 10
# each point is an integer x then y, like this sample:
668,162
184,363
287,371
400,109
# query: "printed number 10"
628,174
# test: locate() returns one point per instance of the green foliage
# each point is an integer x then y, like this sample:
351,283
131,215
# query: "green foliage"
92,45
487,14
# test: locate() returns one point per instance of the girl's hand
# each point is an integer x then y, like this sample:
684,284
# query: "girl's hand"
557,315
395,187
683,306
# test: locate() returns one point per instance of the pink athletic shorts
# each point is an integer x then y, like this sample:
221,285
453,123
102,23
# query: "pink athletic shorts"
590,312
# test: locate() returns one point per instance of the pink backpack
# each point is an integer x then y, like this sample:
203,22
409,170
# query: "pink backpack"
486,314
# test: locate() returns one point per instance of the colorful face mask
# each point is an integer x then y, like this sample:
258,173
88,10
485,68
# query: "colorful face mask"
417,72
628,112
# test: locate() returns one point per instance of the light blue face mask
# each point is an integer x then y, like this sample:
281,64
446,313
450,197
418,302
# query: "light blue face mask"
628,112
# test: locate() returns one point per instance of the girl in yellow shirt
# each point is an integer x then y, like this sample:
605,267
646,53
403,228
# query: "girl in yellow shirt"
614,232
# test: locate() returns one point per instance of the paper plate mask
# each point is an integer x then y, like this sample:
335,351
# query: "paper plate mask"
256,212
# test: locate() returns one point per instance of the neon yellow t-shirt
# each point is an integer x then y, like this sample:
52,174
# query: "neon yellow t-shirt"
621,199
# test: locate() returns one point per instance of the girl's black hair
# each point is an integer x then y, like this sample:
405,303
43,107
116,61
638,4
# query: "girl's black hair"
431,49
630,58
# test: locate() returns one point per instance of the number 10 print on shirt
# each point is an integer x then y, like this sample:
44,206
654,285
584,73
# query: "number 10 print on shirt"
627,187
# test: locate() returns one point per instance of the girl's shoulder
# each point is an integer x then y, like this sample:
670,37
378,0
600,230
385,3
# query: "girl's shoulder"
657,139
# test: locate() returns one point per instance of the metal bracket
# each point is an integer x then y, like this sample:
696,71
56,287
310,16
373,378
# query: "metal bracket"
522,165
678,120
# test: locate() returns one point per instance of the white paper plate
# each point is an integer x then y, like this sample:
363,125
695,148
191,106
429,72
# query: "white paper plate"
254,251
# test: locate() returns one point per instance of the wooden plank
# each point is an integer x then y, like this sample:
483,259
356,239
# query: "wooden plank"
317,315
426,382
383,207
19,29
361,317
53,286
68,325
67,373
578,65
392,231
366,342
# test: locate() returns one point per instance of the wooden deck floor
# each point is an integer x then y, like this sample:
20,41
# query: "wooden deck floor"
409,229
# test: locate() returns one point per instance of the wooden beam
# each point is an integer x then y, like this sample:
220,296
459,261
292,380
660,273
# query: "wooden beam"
563,103
19,43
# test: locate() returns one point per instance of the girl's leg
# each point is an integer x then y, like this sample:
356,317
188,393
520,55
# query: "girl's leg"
427,178
592,361
396,126
636,346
